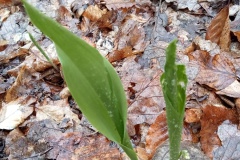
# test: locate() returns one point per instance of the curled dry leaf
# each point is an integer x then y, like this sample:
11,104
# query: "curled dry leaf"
212,117
216,71
219,29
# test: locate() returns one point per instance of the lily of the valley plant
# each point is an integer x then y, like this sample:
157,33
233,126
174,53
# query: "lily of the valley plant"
174,82
91,79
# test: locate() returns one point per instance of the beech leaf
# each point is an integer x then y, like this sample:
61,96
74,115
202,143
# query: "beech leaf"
219,29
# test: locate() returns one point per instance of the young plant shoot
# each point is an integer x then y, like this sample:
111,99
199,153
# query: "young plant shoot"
174,82
42,51
91,79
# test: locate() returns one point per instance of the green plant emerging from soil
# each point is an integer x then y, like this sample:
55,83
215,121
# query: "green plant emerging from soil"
98,91
91,79
174,82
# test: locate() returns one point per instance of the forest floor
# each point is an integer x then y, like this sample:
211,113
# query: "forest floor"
40,120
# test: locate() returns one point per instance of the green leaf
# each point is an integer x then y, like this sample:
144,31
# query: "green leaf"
174,82
91,79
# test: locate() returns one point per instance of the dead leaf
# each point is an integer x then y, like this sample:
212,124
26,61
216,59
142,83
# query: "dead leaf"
157,134
93,13
237,103
147,101
193,115
232,90
211,118
57,112
15,112
84,148
141,152
16,144
131,41
219,29
230,139
22,79
117,4
217,72
120,54
3,45
235,28
8,3
107,20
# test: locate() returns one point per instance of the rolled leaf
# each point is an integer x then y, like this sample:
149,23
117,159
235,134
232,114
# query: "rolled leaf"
174,82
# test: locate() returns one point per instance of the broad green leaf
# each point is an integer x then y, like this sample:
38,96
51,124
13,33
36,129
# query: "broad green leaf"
91,79
174,82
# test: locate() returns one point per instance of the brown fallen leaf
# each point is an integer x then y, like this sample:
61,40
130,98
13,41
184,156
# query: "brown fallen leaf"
93,13
85,148
56,112
157,134
232,90
8,3
219,29
15,112
17,89
117,4
193,115
237,103
211,118
216,71
120,54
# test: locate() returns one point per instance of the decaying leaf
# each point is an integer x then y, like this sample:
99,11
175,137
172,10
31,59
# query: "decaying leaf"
235,28
15,112
148,102
219,29
230,140
232,90
212,117
17,87
193,115
117,4
216,71
157,134
74,146
57,112
93,13
131,41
